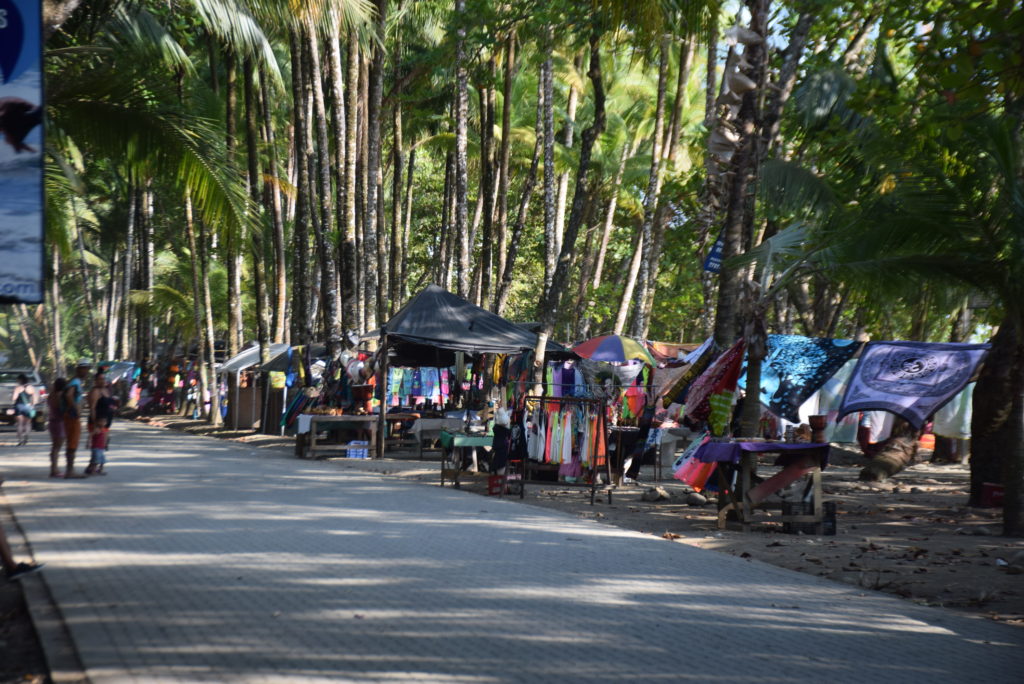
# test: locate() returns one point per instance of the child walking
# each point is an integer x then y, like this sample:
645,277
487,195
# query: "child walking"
98,445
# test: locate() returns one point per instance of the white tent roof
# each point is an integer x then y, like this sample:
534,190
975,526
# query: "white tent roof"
249,357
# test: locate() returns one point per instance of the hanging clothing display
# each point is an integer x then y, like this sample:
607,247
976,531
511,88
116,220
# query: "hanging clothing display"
721,376
954,419
911,379
796,367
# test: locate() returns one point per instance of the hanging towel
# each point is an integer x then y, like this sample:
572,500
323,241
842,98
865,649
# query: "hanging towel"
721,376
796,367
911,379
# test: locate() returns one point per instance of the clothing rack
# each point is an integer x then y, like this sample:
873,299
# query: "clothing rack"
528,466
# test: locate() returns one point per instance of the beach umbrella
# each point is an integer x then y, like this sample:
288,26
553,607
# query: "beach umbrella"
614,349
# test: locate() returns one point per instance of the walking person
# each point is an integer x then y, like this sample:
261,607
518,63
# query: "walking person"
55,402
25,399
72,397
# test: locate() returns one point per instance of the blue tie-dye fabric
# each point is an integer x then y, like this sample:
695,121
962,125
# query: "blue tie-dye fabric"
796,367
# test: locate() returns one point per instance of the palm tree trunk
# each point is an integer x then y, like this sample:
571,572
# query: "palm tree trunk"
403,292
87,289
586,183
300,287
124,345
272,199
487,190
743,168
645,277
339,130
547,87
22,316
997,424
669,151
397,188
529,183
197,305
325,227
461,123
895,453
113,305
232,242
210,335
350,285
257,252
57,336
505,153
374,257
625,303
563,179
602,250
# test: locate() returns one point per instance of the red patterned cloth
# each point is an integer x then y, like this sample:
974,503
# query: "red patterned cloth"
721,376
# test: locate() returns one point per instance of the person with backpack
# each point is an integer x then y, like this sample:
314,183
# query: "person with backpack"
25,399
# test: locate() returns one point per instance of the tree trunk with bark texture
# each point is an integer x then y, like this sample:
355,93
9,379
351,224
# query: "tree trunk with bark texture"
374,258
647,229
894,454
232,241
257,251
397,186
197,306
301,332
743,166
529,183
582,197
504,155
487,191
628,150
325,228
461,235
349,265
272,200
563,178
550,255
997,434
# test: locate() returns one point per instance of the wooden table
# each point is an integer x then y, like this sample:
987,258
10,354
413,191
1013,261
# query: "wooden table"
430,428
452,444
394,419
797,461
363,422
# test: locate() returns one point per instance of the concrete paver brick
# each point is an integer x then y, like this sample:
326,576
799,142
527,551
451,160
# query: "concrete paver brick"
197,560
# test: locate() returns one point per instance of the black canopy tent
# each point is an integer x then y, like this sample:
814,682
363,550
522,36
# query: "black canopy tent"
436,319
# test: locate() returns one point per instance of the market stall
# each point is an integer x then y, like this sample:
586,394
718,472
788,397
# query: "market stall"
243,396
439,330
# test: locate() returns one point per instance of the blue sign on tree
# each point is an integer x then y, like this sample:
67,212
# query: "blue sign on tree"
713,262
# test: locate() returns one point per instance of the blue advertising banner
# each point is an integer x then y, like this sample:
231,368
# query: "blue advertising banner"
21,148
713,262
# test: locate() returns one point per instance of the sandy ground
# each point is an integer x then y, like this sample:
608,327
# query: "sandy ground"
912,536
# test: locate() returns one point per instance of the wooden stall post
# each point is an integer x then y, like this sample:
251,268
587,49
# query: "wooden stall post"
382,389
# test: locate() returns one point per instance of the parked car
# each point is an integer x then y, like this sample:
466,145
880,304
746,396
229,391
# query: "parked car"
8,381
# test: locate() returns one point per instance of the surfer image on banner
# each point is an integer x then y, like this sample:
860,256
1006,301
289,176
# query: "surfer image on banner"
17,118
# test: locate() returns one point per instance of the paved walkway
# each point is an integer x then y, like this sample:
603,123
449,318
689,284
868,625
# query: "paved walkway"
198,560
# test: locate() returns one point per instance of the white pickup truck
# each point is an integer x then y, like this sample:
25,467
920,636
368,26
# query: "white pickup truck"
8,381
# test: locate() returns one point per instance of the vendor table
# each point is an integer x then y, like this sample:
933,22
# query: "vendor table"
452,444
313,423
394,420
797,461
430,428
